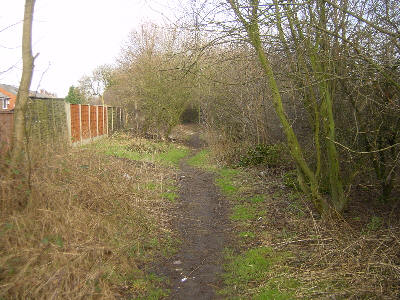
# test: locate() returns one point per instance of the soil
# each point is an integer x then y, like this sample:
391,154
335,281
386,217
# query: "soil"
201,220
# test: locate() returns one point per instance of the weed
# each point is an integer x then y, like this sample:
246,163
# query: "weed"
142,150
87,225
202,160
289,179
151,186
255,268
225,181
247,234
173,156
375,223
269,155
287,234
278,289
319,244
148,287
171,196
295,204
243,213
257,199
251,266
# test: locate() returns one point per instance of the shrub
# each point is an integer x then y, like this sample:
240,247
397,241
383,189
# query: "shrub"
269,155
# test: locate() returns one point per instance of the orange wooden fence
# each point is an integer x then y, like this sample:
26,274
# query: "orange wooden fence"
84,123
88,122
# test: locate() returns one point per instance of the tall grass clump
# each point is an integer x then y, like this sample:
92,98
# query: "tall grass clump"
85,226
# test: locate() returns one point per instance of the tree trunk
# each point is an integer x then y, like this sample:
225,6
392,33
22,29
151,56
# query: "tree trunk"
307,179
18,143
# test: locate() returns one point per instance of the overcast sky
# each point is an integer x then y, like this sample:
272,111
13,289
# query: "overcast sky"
72,37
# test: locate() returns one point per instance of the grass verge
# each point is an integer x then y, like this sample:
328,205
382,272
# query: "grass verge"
202,159
90,225
284,250
137,149
254,274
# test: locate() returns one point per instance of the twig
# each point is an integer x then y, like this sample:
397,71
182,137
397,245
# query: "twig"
300,241
363,152
198,267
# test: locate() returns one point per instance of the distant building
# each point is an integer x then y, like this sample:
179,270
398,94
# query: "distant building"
8,95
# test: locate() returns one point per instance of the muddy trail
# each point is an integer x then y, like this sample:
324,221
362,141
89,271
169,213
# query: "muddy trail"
201,220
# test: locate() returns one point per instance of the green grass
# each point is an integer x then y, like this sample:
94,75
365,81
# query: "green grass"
147,287
375,223
271,293
257,199
202,160
255,274
171,196
151,186
172,156
250,266
247,234
225,181
163,153
243,213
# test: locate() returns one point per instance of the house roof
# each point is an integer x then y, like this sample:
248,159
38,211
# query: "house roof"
14,90
9,88
2,95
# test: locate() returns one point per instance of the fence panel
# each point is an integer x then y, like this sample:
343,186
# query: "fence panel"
85,121
100,125
93,121
75,123
45,121
51,121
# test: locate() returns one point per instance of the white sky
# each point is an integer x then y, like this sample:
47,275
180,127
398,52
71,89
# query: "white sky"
72,36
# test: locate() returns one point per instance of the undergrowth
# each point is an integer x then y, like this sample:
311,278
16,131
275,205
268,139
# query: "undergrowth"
284,250
89,226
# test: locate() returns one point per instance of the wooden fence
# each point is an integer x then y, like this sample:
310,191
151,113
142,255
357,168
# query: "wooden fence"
89,122
52,120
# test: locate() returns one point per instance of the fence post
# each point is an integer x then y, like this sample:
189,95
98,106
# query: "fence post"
90,121
104,129
120,117
97,121
80,123
68,114
105,120
105,113
112,119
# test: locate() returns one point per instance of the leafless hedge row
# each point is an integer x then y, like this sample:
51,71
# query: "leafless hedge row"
320,75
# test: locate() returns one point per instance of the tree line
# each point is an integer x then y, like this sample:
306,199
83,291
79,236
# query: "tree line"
322,76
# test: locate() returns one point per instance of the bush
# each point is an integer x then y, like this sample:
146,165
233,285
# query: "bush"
269,155
290,179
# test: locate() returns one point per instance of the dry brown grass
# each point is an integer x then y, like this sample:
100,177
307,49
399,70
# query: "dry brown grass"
353,256
356,256
88,225
225,151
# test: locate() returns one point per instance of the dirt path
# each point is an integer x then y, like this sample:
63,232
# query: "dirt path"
201,220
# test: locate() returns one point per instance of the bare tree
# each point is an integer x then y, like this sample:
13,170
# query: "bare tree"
18,144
